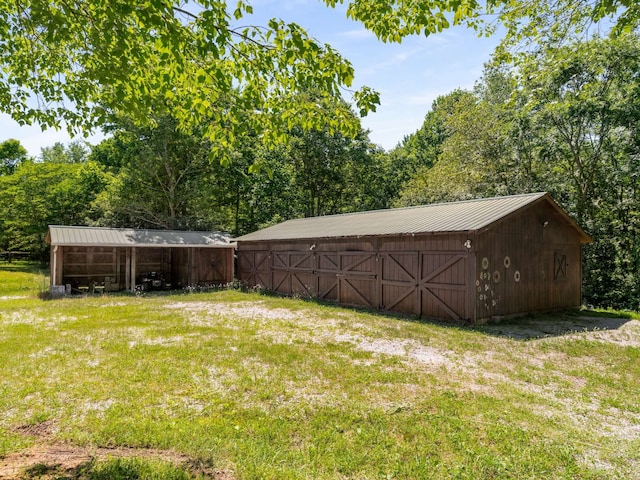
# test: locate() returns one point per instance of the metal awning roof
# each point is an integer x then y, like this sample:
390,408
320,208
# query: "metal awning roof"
464,216
130,237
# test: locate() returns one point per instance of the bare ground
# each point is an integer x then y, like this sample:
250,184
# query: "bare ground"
48,460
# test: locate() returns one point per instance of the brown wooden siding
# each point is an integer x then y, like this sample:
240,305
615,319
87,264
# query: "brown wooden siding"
214,265
409,279
517,263
180,267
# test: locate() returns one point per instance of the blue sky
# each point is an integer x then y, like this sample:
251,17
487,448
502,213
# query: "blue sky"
409,76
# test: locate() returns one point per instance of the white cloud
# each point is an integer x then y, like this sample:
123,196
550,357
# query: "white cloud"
426,99
360,33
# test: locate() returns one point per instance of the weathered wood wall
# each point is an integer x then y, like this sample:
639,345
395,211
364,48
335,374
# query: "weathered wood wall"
83,266
424,275
531,263
114,266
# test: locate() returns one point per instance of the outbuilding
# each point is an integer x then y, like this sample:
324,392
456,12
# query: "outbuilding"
113,259
467,261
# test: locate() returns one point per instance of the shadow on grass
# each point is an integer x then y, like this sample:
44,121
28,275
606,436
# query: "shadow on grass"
556,325
527,327
21,266
121,469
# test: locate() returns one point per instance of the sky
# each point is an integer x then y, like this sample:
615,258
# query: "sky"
409,76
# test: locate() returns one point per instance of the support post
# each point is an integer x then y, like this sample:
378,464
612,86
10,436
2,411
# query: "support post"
230,265
191,274
127,270
133,269
54,266
470,312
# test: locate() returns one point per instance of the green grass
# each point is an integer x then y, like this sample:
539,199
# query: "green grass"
268,387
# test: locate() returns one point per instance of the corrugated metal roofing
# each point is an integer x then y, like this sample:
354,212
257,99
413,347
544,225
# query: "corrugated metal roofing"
469,215
129,237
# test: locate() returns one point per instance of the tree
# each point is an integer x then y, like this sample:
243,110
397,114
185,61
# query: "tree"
12,153
38,194
475,159
579,95
327,171
74,152
316,173
420,151
82,61
159,171
584,100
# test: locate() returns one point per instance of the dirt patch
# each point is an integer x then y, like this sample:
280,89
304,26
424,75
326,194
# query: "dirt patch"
244,310
26,317
404,348
48,459
114,304
39,430
408,349
65,461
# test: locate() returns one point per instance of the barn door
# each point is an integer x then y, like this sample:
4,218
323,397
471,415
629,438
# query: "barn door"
431,284
211,265
328,268
560,265
293,273
399,282
442,285
346,277
357,279
254,269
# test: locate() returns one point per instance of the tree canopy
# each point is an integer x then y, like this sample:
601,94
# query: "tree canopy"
392,20
79,62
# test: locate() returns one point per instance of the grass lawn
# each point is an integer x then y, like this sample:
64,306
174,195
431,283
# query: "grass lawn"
233,385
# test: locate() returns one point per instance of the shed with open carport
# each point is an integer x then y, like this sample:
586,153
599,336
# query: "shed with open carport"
114,259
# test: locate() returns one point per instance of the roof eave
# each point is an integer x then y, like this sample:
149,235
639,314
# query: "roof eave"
48,239
356,237
143,245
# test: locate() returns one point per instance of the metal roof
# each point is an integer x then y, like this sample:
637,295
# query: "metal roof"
129,237
464,216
